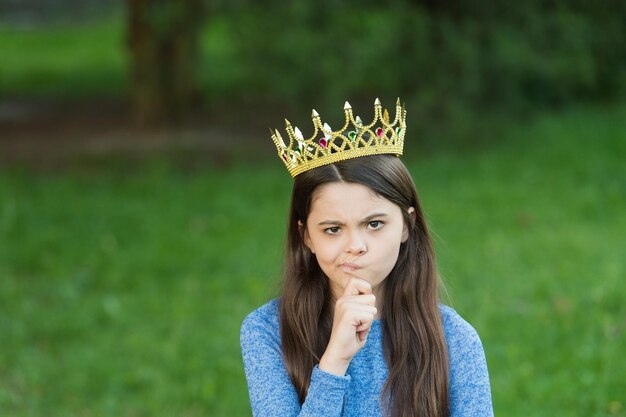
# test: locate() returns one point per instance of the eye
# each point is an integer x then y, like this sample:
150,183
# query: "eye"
375,224
332,230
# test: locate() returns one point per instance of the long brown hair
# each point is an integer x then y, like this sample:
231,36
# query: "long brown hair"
413,337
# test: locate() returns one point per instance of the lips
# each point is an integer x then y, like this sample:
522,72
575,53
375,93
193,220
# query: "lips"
349,267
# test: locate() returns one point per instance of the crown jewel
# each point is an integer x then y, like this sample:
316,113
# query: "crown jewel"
354,139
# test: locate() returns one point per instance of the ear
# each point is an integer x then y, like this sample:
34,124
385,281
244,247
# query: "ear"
405,229
306,237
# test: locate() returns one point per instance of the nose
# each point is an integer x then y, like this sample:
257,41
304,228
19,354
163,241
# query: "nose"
356,244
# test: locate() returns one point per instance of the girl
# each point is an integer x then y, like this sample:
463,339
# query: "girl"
358,329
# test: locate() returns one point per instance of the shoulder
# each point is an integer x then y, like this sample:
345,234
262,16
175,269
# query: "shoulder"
470,392
268,312
453,322
461,336
264,321
466,355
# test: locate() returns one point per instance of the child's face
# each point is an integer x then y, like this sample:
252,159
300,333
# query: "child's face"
354,233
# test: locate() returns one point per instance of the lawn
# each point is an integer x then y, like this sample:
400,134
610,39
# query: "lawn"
92,58
122,290
66,61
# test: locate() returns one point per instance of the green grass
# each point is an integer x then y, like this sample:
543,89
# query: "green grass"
71,61
81,60
122,291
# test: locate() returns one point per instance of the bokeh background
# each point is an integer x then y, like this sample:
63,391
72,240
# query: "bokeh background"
143,207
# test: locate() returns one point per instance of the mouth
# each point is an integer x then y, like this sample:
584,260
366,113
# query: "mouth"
349,267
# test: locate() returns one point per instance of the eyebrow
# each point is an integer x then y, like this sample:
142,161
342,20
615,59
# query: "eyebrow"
365,220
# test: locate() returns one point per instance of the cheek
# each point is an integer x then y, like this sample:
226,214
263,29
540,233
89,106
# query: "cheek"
388,247
327,252
386,261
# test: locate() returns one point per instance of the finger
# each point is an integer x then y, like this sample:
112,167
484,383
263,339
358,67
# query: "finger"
362,320
357,286
367,299
351,307
362,334
363,327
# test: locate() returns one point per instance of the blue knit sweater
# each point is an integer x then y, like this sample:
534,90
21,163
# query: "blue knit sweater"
358,392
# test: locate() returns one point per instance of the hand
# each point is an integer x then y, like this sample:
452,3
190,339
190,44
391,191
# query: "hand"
354,314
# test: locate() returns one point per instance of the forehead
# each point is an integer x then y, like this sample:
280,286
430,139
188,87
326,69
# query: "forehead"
342,199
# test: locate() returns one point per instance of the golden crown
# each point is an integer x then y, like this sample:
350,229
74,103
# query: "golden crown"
354,139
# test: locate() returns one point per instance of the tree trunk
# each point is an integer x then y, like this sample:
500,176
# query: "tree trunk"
163,46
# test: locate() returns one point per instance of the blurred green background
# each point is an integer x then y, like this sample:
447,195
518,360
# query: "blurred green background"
143,208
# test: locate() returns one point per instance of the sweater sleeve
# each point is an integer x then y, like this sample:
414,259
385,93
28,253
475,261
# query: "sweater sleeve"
470,392
270,389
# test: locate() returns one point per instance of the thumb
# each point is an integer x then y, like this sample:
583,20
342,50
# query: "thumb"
357,286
